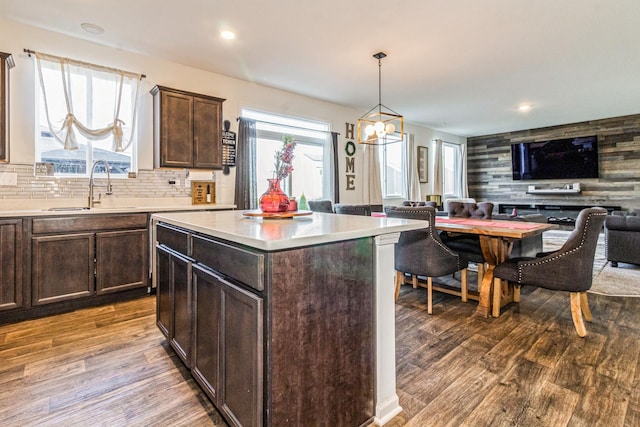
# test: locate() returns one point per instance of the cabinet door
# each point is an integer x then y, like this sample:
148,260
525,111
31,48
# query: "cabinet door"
62,267
228,347
241,349
176,130
164,292
121,260
182,302
207,135
206,345
10,264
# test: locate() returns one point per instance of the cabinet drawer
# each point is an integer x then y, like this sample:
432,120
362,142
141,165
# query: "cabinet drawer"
174,238
67,224
239,264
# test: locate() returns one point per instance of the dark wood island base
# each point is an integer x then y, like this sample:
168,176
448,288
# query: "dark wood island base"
274,338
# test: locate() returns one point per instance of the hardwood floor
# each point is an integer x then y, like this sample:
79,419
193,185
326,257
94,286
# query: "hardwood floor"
105,366
111,366
526,368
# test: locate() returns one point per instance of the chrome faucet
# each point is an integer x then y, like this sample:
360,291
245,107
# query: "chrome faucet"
92,201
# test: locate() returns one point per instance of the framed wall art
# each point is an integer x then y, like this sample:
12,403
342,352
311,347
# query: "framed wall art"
423,164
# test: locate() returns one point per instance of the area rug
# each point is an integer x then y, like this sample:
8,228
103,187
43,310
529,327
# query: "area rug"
621,281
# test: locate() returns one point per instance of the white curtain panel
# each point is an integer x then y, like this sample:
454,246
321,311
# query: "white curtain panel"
463,185
438,185
372,182
66,85
413,180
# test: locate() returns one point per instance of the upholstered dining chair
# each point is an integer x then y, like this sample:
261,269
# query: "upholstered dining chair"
419,203
568,269
468,245
320,206
341,208
422,253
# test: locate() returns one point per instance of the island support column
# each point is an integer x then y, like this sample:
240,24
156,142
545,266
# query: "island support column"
387,403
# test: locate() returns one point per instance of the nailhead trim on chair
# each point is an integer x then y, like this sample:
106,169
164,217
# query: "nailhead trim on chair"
417,209
521,267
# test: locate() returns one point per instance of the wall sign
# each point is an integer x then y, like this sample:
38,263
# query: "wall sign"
228,148
350,161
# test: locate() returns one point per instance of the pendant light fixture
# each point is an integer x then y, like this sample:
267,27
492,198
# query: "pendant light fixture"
380,125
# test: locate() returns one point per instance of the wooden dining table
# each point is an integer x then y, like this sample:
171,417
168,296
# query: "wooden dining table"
496,241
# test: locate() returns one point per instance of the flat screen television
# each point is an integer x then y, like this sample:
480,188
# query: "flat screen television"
567,158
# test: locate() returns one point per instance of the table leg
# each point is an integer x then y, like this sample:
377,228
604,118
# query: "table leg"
495,251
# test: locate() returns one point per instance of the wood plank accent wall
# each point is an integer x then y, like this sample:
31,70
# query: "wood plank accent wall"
489,165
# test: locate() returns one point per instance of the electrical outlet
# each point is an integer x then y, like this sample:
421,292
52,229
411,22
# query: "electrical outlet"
9,179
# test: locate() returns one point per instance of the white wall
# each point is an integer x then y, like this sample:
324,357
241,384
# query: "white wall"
238,94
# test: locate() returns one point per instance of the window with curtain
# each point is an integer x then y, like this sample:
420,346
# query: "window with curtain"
393,167
451,170
311,164
85,113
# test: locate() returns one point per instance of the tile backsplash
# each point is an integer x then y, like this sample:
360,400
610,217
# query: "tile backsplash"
148,184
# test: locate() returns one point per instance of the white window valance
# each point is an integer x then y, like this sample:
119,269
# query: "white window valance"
87,98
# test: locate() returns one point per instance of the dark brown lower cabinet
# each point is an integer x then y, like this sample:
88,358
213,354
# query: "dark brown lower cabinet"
164,305
228,347
62,267
174,296
77,257
10,264
120,259
181,283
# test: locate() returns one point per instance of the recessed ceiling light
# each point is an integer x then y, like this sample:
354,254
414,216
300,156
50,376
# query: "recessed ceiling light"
92,28
228,35
524,107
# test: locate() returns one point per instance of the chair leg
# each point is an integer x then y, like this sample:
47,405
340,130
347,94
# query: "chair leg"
464,284
429,296
516,293
399,280
584,305
414,281
576,314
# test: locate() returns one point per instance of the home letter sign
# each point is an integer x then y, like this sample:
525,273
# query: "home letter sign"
350,161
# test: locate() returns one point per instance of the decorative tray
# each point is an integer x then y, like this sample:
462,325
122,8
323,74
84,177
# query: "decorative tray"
275,215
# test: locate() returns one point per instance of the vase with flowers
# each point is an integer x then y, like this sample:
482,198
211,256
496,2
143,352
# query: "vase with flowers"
274,199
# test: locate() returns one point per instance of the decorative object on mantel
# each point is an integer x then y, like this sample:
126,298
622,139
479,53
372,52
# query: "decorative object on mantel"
380,125
566,189
274,199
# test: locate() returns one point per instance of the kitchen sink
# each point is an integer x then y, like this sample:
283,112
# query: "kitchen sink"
69,208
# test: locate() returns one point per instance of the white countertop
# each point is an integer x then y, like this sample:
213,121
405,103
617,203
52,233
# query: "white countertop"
278,234
9,213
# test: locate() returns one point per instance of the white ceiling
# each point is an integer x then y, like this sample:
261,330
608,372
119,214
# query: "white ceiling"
461,66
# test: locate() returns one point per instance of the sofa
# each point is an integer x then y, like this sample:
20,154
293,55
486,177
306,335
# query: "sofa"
622,237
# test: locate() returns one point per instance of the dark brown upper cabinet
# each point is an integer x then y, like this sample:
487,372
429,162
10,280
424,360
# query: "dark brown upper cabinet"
6,63
187,129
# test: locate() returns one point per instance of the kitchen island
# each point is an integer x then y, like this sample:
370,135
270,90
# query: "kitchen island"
283,321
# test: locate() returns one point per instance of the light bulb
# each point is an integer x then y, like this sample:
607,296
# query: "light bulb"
368,130
379,126
390,128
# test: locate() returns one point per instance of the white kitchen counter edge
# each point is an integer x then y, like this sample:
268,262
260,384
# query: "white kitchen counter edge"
281,234
110,210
